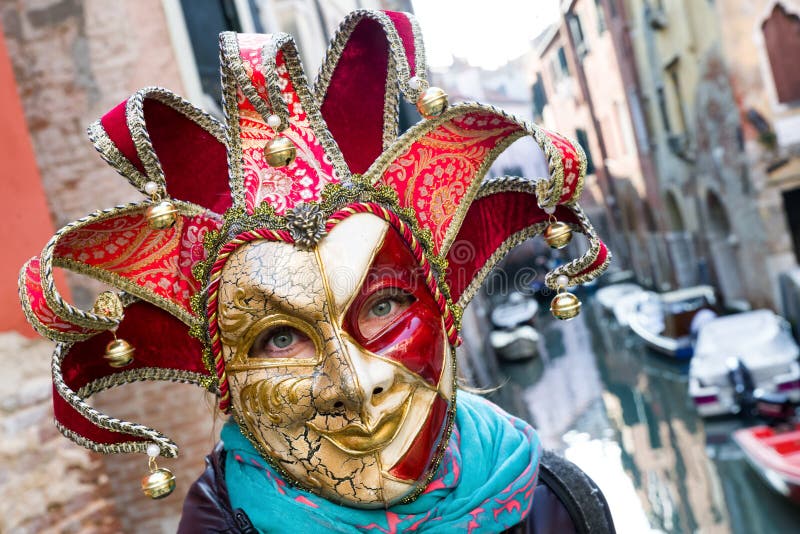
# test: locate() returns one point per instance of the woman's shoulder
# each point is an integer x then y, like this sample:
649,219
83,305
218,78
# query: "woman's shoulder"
207,507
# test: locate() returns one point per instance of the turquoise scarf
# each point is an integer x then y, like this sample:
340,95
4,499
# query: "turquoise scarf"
485,483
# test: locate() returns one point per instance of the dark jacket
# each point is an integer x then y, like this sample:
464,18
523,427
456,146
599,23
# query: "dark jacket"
565,501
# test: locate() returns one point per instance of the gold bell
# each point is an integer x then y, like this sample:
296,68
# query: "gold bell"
159,483
279,151
162,215
119,353
432,102
565,306
558,234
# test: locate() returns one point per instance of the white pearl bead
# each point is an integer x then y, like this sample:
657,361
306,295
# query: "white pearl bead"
150,188
562,280
414,82
273,121
153,450
549,210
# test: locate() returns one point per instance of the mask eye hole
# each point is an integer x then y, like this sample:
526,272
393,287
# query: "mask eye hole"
381,309
282,342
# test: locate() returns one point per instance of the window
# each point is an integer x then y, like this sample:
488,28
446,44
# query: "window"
672,71
562,62
214,17
662,107
576,30
583,140
539,97
601,16
782,40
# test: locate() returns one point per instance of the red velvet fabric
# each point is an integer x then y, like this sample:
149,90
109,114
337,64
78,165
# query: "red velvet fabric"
116,127
194,162
406,32
160,341
71,419
353,106
602,255
490,221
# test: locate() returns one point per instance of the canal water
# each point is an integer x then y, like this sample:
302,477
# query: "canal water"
624,416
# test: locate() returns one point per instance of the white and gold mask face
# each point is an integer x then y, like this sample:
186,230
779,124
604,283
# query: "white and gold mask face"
338,361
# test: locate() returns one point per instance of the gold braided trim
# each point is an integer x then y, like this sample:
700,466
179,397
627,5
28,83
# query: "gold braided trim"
102,448
391,109
167,447
112,155
42,329
398,68
577,265
507,184
142,374
88,319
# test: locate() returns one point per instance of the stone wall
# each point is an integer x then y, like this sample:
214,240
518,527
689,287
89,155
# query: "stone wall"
47,484
73,61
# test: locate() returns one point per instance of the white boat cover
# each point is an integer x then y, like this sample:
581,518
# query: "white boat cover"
759,338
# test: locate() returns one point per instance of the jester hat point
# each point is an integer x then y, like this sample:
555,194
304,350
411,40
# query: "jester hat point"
298,175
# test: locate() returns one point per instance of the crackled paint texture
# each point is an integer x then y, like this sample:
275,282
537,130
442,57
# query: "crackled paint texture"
354,425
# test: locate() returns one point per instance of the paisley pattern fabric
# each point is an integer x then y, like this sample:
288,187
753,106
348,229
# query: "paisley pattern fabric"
571,163
303,180
436,172
484,484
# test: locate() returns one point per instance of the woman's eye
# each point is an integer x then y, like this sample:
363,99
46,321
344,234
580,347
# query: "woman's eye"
282,342
382,309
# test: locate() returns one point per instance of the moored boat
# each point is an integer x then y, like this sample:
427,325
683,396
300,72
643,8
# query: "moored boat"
608,296
755,348
663,320
774,452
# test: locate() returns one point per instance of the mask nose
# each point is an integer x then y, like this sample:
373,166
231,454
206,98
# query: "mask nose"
353,380
375,376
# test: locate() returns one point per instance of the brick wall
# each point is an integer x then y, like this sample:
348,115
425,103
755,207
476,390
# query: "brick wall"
47,484
73,61
185,414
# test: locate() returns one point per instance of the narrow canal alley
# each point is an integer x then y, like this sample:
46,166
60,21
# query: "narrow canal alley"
623,414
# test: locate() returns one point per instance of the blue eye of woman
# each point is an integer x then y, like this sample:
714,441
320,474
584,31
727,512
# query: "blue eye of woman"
282,339
382,308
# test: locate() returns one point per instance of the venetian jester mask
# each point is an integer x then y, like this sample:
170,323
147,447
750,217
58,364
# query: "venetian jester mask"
302,261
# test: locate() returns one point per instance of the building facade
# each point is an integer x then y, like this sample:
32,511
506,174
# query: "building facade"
765,87
688,110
